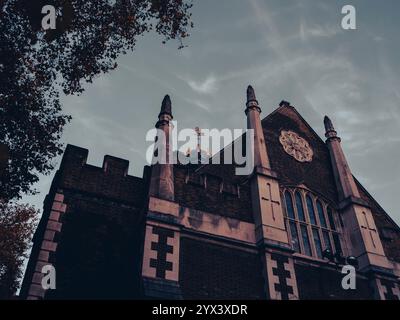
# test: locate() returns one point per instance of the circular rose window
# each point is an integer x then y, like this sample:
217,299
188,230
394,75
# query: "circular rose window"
296,146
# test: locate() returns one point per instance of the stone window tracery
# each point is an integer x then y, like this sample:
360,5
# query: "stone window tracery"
312,223
296,146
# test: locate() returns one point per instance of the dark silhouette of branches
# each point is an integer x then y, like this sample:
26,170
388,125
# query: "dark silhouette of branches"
36,65
17,224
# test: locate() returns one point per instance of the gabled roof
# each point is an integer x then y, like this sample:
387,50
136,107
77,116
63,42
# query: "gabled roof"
316,175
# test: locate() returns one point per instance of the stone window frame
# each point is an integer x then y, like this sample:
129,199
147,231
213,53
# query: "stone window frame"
337,230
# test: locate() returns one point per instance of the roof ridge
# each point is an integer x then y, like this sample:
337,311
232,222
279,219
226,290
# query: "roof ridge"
376,203
300,116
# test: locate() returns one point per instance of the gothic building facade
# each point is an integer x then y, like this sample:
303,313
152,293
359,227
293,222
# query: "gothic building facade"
199,231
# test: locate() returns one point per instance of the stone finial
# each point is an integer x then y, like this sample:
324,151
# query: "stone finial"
251,95
328,124
284,103
166,106
252,102
329,129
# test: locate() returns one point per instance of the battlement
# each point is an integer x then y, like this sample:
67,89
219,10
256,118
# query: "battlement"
114,165
74,155
111,180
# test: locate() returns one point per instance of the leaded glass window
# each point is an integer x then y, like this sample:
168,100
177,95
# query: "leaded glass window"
311,222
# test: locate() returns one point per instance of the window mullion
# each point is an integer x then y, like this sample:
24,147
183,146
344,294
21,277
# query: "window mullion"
318,233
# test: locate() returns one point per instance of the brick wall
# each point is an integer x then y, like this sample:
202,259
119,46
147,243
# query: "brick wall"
213,199
96,244
321,284
210,271
98,256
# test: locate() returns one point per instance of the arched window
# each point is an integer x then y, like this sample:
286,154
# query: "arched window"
311,212
317,241
289,205
321,214
313,230
331,219
294,236
299,206
306,240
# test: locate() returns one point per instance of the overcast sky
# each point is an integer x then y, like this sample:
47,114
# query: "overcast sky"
287,49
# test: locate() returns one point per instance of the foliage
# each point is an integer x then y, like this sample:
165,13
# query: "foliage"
37,65
17,224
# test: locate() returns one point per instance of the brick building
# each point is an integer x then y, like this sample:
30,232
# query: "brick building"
199,231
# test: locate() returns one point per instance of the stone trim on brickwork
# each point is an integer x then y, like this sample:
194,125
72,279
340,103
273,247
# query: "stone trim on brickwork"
281,277
216,225
161,252
200,221
386,289
48,246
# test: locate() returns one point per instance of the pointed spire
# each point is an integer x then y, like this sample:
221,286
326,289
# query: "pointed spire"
166,106
251,95
162,176
329,129
252,102
328,124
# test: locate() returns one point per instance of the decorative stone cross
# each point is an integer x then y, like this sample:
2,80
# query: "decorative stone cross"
162,248
370,229
390,287
282,286
271,200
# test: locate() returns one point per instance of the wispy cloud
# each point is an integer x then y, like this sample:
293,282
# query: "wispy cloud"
201,105
308,30
207,86
293,50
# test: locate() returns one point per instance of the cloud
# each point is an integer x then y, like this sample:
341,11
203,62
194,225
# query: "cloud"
207,86
292,50
308,31
201,105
